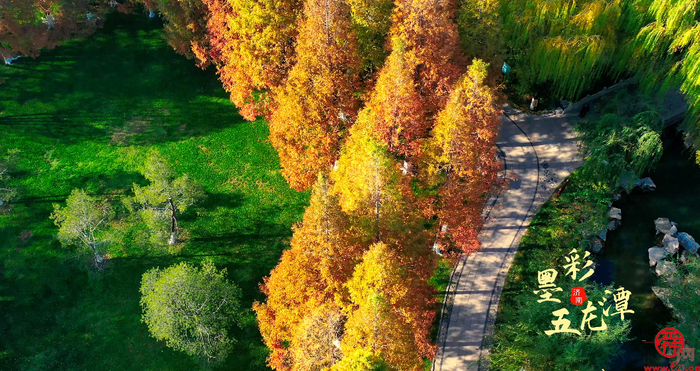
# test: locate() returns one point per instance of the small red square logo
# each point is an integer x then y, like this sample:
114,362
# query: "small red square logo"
578,296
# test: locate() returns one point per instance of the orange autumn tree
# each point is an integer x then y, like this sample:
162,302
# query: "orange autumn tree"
378,197
377,322
317,105
464,154
185,27
312,273
317,342
428,31
395,110
252,42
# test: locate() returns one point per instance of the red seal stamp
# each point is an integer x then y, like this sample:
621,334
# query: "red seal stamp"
578,296
669,340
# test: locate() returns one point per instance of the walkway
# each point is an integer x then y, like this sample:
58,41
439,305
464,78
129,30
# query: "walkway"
539,152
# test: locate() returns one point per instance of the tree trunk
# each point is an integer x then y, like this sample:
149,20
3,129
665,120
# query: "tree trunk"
97,256
173,223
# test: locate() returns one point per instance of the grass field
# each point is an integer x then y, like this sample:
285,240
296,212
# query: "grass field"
83,116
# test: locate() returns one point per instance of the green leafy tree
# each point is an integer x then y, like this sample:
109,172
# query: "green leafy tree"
567,45
83,220
7,193
160,202
615,145
480,28
666,52
191,309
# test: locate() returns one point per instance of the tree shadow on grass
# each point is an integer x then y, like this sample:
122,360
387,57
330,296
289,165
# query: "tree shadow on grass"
214,200
124,85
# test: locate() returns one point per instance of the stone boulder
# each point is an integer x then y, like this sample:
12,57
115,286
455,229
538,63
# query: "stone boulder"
663,225
663,294
645,184
614,214
671,244
664,268
603,235
674,230
656,254
596,245
615,218
688,242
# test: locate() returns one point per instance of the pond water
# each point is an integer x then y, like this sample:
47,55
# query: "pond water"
624,260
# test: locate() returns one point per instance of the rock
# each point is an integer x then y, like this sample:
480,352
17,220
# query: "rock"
656,254
663,225
645,184
616,197
674,230
670,244
615,213
664,268
613,224
663,294
688,242
603,235
596,245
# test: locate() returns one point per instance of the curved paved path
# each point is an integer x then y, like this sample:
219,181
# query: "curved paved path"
539,152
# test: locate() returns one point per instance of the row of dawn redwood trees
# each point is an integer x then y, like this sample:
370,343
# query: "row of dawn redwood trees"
375,107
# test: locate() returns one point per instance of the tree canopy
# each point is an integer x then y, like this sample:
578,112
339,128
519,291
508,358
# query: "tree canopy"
191,308
317,105
159,202
83,220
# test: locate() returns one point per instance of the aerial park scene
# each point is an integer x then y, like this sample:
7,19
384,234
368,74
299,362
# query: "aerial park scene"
349,185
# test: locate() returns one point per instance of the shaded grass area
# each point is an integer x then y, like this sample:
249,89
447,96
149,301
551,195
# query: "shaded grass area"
83,116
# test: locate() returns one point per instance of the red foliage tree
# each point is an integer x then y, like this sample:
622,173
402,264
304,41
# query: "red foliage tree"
310,274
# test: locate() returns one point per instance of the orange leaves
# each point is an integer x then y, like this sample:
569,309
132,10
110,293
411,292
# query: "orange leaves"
253,43
28,26
328,305
427,31
463,147
311,274
317,105
395,110
185,27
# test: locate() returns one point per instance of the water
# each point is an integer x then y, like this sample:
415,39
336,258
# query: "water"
624,260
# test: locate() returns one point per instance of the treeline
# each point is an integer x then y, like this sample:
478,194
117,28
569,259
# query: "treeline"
563,47
377,108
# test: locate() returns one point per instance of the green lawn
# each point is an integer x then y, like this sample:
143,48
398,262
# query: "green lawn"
83,116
